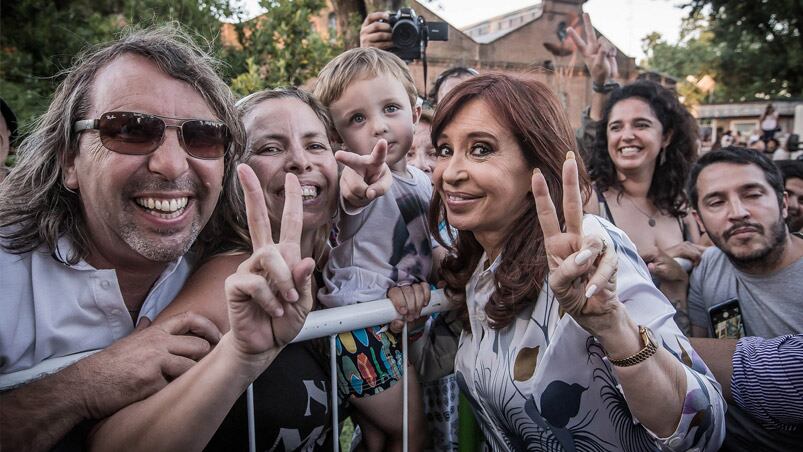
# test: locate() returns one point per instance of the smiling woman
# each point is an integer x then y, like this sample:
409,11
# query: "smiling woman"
645,144
534,375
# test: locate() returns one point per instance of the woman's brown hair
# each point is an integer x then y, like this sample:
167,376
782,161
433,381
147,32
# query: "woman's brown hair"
537,120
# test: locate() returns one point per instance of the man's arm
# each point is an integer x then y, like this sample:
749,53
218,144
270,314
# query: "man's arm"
717,355
768,379
37,415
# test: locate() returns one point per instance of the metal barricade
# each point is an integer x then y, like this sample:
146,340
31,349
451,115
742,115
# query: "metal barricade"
322,323
333,321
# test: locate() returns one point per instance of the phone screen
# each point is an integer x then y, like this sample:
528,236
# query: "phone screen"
726,320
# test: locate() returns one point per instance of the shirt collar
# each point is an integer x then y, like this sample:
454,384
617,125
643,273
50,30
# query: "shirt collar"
65,247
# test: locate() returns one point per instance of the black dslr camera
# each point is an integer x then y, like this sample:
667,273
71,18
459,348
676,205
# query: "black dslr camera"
411,33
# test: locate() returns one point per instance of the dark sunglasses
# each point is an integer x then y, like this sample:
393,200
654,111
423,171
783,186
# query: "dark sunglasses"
132,133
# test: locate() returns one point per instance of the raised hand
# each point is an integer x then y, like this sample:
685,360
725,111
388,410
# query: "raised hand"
376,32
582,269
270,295
599,54
364,177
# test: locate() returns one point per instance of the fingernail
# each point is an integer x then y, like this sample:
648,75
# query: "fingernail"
570,155
537,171
592,289
291,295
582,256
279,312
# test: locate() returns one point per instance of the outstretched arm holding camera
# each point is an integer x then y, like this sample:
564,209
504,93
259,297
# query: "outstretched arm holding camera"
376,31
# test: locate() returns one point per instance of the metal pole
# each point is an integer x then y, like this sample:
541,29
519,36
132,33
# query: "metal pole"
249,402
333,369
405,410
326,322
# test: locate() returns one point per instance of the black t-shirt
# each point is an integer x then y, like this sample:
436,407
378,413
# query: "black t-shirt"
291,405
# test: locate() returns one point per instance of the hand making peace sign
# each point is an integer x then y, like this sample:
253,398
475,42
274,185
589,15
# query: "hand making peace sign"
598,54
364,177
582,268
270,295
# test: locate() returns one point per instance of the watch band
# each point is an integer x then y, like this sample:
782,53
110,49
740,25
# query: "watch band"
604,88
649,349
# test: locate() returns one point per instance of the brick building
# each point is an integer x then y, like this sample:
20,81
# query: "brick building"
522,41
525,40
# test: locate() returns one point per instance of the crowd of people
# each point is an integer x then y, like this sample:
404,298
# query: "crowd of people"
612,288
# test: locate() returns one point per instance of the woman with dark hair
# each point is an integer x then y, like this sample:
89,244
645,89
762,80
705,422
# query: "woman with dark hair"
645,144
538,379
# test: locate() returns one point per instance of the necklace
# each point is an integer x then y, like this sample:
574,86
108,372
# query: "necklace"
650,219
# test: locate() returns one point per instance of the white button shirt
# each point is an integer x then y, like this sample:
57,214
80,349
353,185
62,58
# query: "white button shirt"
50,309
543,382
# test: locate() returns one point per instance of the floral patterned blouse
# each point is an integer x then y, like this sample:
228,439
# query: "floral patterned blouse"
544,384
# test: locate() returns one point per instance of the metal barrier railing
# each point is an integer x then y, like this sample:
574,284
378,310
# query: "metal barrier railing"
322,323
333,321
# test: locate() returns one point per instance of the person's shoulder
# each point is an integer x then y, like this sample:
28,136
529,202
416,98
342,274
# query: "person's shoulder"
713,256
222,263
713,264
420,177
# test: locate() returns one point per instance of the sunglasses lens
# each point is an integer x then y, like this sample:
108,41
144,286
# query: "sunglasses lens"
205,139
130,133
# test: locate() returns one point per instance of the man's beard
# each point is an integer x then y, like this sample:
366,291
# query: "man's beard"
759,259
795,222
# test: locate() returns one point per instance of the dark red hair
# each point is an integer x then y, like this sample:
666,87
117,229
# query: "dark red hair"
537,120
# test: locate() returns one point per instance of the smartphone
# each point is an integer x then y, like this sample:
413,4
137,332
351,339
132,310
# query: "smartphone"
726,320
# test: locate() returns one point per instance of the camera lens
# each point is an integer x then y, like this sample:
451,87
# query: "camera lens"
405,34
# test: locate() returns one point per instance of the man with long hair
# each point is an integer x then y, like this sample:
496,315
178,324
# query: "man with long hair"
115,186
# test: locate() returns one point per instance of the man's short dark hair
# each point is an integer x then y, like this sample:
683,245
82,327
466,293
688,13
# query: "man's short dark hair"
790,169
737,156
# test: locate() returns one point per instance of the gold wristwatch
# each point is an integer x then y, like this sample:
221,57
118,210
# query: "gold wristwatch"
650,347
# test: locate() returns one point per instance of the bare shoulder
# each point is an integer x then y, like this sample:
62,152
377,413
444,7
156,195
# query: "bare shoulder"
204,291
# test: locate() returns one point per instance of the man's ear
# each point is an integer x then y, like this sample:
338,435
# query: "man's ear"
70,172
699,220
785,205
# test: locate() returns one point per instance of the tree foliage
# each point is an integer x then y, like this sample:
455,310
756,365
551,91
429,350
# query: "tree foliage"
761,44
751,49
280,47
40,38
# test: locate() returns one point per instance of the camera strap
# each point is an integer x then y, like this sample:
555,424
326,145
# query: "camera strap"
424,43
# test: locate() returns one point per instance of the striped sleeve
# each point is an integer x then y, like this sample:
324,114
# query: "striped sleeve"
768,380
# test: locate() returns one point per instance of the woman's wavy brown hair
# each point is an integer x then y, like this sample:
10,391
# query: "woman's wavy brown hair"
539,124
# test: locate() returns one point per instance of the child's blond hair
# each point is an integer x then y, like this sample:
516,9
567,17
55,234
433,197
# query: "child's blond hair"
357,64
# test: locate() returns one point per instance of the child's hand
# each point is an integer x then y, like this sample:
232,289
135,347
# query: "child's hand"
408,301
364,177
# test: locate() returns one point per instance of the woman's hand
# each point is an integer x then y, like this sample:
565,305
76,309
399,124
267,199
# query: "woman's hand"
364,177
686,250
582,269
409,301
270,295
665,267
599,54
